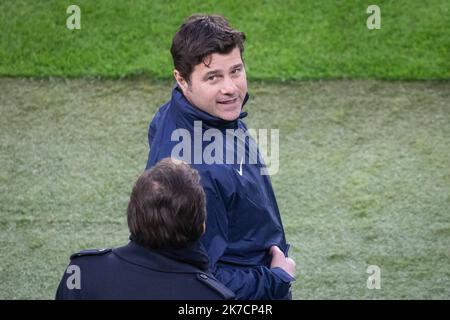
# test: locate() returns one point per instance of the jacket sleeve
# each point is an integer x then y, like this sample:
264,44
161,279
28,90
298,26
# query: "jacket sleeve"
151,160
248,283
256,283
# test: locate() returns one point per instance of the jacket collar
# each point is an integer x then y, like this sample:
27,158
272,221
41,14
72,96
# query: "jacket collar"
189,259
186,113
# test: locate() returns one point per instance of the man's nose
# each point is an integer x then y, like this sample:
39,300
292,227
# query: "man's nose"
229,87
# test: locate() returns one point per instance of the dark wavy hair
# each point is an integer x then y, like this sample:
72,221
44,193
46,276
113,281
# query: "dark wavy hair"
200,36
167,207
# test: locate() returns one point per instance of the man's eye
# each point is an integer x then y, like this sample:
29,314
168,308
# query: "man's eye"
236,71
211,78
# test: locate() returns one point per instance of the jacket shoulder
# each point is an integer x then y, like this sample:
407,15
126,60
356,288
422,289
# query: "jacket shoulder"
215,285
90,252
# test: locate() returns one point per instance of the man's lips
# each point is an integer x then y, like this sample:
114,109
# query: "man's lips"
228,101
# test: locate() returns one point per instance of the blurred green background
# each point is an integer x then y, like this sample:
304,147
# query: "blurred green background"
287,40
364,151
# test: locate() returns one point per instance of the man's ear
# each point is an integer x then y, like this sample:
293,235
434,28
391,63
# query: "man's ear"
180,80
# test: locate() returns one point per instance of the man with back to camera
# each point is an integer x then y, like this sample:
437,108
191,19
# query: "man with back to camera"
244,234
164,259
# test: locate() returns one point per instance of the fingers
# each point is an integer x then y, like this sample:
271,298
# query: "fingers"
279,260
291,261
275,250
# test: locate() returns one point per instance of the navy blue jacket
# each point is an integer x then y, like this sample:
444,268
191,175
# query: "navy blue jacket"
138,273
243,220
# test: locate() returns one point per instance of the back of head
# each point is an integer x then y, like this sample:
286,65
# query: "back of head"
200,36
167,206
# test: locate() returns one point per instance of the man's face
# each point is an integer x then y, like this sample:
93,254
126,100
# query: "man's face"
219,88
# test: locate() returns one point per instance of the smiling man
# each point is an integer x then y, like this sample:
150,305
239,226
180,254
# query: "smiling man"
218,85
244,236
